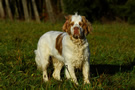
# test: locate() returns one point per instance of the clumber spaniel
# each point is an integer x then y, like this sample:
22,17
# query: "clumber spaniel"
69,48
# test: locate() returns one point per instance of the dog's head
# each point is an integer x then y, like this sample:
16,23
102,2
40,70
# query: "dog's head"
77,26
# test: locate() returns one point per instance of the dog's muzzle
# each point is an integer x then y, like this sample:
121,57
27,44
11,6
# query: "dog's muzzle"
76,30
76,34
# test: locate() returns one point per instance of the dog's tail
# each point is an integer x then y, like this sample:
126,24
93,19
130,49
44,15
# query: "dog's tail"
38,61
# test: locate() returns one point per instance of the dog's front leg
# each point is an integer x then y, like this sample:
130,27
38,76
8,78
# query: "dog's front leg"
70,73
86,72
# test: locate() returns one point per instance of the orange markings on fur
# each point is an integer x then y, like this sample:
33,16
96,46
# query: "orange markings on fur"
67,24
58,44
86,26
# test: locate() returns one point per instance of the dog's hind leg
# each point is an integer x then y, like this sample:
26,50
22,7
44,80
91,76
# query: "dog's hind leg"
44,68
45,76
44,60
57,68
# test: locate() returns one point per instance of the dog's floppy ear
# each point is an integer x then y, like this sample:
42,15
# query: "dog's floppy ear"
86,26
66,24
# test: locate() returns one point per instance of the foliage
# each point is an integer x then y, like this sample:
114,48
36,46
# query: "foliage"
94,10
112,57
124,10
130,11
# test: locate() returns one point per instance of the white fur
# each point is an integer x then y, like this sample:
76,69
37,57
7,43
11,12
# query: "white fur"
74,55
76,19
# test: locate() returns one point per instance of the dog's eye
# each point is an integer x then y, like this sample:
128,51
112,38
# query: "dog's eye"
80,23
72,23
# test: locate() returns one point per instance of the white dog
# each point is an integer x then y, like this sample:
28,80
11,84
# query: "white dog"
69,48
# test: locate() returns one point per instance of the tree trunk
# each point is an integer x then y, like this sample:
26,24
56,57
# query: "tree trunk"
50,11
35,11
62,6
18,5
30,8
16,10
8,10
58,6
25,9
2,14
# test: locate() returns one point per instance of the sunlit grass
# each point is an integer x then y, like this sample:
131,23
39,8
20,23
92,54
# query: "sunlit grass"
112,58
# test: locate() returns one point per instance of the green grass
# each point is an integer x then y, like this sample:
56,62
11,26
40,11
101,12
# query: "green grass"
112,58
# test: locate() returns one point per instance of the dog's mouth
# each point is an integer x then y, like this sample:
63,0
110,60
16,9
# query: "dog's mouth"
77,36
77,33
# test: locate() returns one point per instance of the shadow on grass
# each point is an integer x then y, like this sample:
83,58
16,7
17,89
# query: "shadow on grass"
97,70
110,69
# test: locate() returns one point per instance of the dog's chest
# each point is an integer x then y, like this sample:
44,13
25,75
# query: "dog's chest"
78,56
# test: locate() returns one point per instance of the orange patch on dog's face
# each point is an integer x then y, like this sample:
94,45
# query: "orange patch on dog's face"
58,44
67,25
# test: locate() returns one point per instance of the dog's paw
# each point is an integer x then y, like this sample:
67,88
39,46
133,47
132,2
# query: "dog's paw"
45,78
86,82
57,77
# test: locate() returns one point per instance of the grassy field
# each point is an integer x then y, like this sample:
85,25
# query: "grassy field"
112,58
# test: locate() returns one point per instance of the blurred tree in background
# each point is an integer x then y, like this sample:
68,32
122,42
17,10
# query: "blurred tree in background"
43,10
